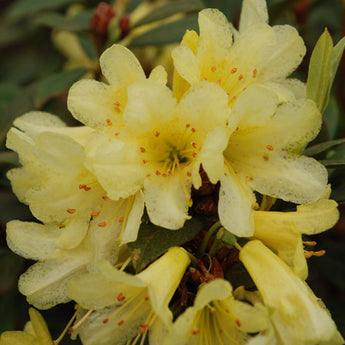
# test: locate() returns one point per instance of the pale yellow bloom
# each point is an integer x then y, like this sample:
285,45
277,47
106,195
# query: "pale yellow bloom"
282,231
297,315
216,318
162,147
35,332
127,306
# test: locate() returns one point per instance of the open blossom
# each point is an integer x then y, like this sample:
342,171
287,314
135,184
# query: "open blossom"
297,315
257,54
35,332
128,307
282,231
55,184
216,318
162,147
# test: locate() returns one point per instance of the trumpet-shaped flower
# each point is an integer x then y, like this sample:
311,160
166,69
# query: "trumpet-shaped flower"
100,105
259,54
282,231
162,147
55,184
128,306
216,318
298,317
263,155
35,332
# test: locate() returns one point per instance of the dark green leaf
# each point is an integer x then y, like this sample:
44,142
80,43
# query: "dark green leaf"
9,158
333,163
25,8
132,5
227,238
278,8
333,118
60,22
153,241
8,92
318,74
167,10
19,105
316,149
57,83
222,5
167,33
11,208
87,46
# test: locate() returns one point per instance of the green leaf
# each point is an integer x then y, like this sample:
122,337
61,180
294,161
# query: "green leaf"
333,118
169,9
56,84
132,5
167,33
153,241
87,46
318,74
26,8
60,22
226,237
333,163
19,105
316,149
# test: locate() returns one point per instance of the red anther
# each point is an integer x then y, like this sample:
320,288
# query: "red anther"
233,99
194,154
193,130
158,172
82,186
94,214
144,325
116,134
157,134
195,330
164,175
147,298
121,297
71,210
121,322
117,104
169,172
117,109
240,77
194,144
121,219
106,320
142,331
234,70
144,161
219,81
213,68
109,123
142,149
238,322
188,125
104,197
101,18
265,157
269,147
255,73
102,224
189,174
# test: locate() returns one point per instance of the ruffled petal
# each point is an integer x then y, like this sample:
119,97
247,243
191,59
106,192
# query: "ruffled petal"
235,205
120,66
93,103
166,201
32,240
159,74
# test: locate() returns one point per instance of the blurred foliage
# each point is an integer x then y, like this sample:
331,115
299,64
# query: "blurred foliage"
46,45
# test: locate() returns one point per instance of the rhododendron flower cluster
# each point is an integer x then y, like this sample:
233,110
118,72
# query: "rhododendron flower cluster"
231,128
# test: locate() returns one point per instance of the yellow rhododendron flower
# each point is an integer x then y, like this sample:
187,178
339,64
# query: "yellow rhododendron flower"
100,105
35,332
258,54
297,315
128,306
162,147
282,231
55,184
216,318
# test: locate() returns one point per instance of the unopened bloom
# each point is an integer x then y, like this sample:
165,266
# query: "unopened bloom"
161,148
128,306
217,318
35,332
297,315
282,231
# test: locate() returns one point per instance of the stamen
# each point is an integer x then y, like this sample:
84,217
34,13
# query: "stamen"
85,187
310,243
94,214
121,322
157,134
142,149
193,144
238,322
102,224
213,68
80,322
255,73
117,103
234,70
195,330
320,253
121,297
109,123
193,130
71,210
121,219
105,197
269,147
240,77
57,341
117,109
